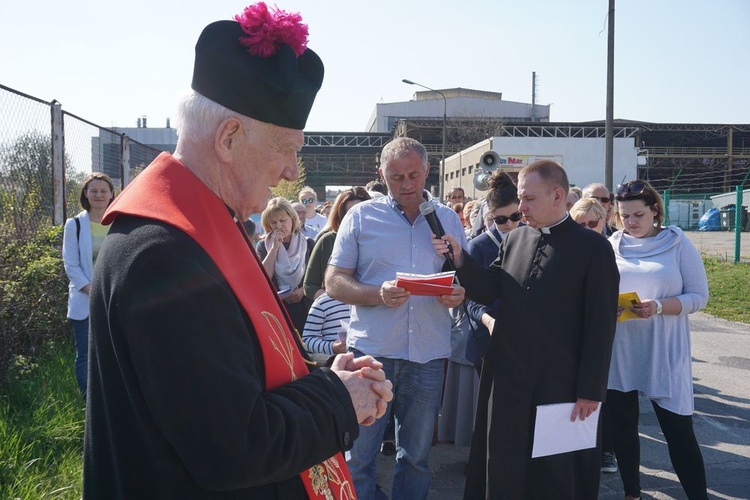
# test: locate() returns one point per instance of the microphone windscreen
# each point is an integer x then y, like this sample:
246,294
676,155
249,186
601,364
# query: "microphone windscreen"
426,208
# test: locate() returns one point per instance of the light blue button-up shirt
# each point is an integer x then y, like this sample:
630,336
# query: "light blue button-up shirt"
377,241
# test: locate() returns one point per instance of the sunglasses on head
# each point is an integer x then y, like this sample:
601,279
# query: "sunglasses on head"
610,199
592,223
306,201
630,189
502,219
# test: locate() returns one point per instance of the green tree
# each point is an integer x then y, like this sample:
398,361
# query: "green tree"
26,185
26,196
290,189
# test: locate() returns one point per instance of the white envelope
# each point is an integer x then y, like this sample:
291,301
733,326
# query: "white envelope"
554,433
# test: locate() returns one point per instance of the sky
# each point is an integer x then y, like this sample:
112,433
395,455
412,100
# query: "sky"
675,60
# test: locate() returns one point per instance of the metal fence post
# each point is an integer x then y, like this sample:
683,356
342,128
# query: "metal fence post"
58,162
665,199
738,223
125,156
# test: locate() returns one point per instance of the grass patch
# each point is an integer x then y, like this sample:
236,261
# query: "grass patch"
728,288
41,427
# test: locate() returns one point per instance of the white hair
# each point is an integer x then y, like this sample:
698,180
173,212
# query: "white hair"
198,117
589,190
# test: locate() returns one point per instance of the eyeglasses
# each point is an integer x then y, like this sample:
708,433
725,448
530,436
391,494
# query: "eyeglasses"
591,223
603,199
307,201
630,189
502,219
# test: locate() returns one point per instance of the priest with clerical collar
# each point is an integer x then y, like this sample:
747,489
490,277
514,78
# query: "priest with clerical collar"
558,287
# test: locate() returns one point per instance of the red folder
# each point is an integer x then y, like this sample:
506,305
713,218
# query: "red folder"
426,284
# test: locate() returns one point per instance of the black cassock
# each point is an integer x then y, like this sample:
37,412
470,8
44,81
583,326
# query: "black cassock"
551,343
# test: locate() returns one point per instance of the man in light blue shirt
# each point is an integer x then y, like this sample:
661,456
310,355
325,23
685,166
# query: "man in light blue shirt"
410,334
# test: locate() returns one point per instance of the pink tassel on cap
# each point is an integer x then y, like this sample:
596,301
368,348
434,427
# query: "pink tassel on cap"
266,29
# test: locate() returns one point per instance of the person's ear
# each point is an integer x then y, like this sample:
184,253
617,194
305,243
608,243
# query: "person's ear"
228,136
560,196
380,173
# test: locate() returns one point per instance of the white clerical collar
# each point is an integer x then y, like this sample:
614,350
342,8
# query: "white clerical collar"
546,229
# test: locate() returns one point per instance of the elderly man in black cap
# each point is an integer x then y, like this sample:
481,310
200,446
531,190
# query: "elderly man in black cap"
199,387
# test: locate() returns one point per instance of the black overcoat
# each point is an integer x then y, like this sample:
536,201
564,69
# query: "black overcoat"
177,405
551,343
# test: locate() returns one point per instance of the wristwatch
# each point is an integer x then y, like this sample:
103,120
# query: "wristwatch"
659,307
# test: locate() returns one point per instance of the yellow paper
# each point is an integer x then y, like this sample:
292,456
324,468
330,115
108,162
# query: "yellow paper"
626,300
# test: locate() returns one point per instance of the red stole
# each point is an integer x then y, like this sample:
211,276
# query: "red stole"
168,192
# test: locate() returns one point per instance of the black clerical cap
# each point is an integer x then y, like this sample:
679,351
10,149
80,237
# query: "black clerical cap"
274,81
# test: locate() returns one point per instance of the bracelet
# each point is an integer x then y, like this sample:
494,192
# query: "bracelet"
659,307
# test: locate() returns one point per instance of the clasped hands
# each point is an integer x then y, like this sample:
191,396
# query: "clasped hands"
365,380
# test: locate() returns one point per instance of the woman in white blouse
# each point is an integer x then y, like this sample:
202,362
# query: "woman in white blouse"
82,239
651,353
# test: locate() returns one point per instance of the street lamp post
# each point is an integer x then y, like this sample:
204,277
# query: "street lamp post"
441,182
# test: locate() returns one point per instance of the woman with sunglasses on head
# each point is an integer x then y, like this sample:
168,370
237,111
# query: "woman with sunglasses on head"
456,421
651,355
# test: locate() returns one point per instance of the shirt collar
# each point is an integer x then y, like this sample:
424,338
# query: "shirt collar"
547,229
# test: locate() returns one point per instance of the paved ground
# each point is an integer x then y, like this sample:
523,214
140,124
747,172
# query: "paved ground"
721,375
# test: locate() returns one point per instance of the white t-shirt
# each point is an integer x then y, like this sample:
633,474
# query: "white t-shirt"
316,222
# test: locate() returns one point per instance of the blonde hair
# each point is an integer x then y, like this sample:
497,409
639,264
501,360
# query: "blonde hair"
307,189
278,206
585,206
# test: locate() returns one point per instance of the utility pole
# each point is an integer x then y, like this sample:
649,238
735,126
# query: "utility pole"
609,122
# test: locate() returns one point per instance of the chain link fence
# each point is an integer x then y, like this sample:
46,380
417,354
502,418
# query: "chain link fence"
26,187
46,153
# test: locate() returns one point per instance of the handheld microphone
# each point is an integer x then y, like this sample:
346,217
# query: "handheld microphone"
428,210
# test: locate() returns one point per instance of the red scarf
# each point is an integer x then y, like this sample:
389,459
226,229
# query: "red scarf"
168,192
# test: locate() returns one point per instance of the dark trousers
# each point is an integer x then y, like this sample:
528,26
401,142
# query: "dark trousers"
684,451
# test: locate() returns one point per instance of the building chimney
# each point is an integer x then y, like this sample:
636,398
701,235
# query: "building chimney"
143,118
139,122
168,123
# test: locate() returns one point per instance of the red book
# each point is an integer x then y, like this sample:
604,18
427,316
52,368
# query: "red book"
426,284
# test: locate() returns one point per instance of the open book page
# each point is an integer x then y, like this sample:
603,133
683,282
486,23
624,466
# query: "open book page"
554,433
426,284
626,300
